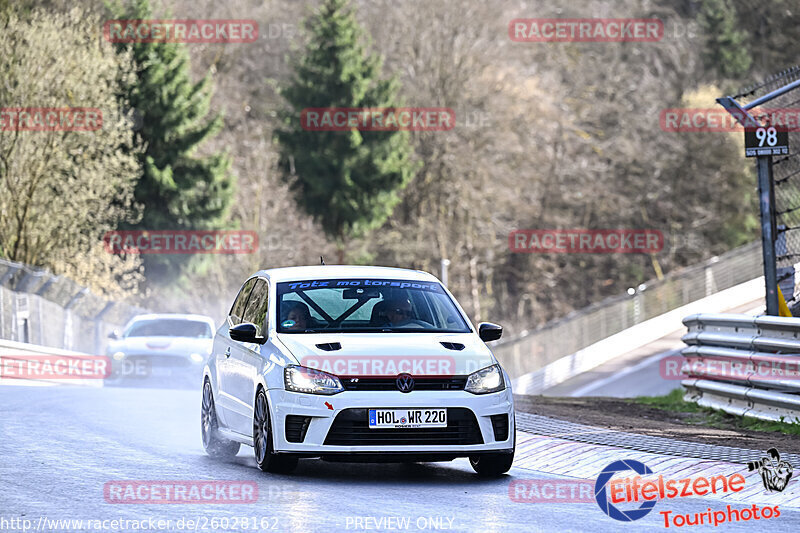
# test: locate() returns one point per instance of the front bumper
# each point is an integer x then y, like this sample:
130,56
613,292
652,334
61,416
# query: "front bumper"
323,410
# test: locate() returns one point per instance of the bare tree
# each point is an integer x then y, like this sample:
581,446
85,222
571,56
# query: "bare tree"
62,190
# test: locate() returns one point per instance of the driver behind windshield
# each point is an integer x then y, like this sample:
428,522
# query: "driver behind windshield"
398,312
299,315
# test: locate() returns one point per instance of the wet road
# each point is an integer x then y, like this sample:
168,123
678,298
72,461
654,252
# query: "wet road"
62,445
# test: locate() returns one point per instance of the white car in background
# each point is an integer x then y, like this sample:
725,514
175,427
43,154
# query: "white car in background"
165,349
354,363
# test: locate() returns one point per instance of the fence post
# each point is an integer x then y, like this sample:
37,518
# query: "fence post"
40,329
67,341
766,195
98,327
709,280
766,190
21,317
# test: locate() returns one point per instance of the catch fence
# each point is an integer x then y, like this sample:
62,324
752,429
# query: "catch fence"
41,308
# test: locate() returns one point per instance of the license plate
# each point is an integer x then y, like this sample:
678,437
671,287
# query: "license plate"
407,418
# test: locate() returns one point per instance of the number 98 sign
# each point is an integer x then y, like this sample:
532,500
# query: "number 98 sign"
765,141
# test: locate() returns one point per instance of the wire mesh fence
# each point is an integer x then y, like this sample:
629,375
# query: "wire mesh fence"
532,351
39,307
786,172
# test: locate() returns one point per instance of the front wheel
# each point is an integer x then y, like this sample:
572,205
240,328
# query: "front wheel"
215,445
267,459
492,464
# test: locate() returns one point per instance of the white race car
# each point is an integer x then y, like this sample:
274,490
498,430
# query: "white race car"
354,363
167,349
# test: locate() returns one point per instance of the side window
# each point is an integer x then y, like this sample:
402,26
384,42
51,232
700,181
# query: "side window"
256,310
237,310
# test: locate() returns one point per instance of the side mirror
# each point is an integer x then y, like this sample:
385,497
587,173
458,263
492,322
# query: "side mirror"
489,332
246,332
114,335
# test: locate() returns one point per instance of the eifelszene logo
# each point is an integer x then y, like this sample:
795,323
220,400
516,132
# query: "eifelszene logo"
601,496
648,488
774,473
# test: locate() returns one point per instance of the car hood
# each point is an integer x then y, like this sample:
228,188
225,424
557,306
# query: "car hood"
161,345
389,354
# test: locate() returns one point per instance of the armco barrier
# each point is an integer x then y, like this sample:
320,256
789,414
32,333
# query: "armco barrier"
13,350
718,342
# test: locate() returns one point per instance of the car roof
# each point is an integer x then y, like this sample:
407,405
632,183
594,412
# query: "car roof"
301,273
173,316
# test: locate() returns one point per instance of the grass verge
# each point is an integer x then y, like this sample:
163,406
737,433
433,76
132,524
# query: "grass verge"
695,414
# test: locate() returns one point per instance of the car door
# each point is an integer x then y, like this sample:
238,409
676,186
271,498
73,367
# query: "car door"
221,351
245,360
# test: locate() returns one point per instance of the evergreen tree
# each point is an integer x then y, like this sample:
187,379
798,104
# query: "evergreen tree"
177,190
347,181
726,51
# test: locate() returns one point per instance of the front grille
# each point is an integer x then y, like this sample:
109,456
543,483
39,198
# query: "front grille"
390,383
350,428
296,427
500,426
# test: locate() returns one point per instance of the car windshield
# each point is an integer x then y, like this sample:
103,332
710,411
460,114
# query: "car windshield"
366,305
170,327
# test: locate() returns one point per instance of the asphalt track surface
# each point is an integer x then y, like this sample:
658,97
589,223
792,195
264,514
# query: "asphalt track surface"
59,447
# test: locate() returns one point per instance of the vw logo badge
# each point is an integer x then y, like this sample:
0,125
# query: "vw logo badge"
405,383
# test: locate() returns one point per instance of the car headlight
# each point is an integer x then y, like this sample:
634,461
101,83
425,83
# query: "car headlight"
196,357
302,379
486,380
119,356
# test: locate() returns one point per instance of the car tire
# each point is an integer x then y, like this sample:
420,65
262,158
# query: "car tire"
215,445
266,458
492,464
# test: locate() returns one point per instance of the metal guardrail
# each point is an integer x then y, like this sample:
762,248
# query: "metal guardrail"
19,351
744,365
